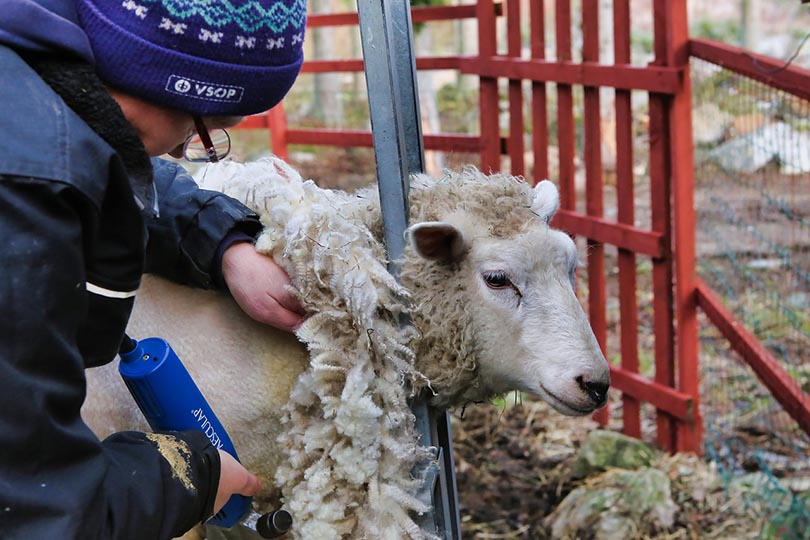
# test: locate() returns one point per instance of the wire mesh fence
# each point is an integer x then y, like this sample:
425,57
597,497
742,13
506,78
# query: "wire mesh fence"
752,198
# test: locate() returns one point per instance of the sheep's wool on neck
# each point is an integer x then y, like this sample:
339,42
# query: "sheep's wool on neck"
349,437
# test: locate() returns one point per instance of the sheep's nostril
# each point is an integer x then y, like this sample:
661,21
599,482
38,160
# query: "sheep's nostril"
597,391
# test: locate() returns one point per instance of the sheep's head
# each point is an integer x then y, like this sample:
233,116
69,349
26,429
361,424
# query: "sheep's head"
497,309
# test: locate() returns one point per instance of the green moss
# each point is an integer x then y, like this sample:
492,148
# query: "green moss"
605,449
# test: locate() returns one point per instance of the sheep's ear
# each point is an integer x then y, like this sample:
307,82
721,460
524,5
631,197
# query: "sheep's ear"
546,200
437,240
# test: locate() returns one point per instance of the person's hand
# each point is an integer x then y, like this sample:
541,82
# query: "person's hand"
233,479
259,286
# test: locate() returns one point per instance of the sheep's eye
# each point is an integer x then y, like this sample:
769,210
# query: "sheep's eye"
497,280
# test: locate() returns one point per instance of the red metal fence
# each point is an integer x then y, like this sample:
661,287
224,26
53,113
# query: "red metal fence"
794,81
282,136
669,242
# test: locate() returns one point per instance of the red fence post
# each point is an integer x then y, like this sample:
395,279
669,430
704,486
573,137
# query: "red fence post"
628,305
516,146
661,217
565,109
674,49
539,109
594,205
663,297
277,122
488,90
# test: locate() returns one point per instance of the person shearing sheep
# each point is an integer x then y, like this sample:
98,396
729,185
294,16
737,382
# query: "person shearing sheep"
90,89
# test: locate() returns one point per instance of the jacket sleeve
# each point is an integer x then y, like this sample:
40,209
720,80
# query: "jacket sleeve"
57,480
185,240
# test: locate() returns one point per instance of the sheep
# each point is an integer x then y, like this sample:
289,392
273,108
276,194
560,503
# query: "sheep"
485,305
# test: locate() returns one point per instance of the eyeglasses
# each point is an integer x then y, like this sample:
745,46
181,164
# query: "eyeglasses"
206,145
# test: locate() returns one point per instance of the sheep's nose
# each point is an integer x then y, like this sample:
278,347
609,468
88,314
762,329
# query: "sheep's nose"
597,391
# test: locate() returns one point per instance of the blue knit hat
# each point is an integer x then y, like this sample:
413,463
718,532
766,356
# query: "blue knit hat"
205,57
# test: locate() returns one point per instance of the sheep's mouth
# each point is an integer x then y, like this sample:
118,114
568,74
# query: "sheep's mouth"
563,406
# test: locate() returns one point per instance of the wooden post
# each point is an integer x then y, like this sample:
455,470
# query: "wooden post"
594,204
539,106
664,331
516,145
628,306
565,109
672,49
277,122
488,91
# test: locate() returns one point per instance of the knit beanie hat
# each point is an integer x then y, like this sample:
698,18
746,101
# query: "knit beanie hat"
204,57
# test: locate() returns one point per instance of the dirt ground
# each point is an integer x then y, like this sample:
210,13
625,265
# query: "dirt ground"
513,467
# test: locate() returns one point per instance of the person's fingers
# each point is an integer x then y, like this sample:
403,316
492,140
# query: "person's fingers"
233,479
282,290
250,485
289,301
261,288
280,317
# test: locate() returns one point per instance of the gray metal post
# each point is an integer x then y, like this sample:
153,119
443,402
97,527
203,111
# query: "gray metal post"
390,65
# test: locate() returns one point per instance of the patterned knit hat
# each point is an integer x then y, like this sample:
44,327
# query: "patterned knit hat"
205,57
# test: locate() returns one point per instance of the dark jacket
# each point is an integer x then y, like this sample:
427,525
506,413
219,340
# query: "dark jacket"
74,247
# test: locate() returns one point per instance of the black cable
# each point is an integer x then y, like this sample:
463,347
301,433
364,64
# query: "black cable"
784,66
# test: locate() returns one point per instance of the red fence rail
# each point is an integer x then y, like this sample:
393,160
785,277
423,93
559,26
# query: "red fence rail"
775,73
783,387
275,120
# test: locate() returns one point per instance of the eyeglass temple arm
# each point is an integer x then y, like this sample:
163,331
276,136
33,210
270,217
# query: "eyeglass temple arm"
202,131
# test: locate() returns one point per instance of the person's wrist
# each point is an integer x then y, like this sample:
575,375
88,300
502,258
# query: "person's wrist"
235,248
